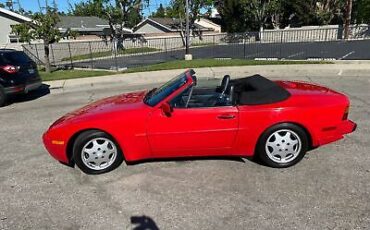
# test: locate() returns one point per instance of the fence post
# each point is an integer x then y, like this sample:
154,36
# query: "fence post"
165,46
244,39
281,43
115,59
214,45
70,54
91,56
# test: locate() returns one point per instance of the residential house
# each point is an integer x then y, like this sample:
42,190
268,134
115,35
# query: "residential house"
206,23
7,20
87,28
172,27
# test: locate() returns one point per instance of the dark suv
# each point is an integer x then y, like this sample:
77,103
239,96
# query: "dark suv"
18,74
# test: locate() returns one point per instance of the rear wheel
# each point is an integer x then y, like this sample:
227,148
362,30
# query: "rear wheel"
282,145
96,152
2,96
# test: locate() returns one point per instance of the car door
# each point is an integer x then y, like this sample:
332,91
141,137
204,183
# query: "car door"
193,131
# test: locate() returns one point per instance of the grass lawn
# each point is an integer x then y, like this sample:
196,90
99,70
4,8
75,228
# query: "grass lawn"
179,64
70,74
109,53
199,63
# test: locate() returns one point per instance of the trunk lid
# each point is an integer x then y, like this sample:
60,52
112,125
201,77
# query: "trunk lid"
306,88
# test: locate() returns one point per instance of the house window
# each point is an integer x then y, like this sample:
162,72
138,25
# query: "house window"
13,38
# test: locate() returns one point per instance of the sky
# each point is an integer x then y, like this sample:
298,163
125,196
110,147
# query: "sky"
63,5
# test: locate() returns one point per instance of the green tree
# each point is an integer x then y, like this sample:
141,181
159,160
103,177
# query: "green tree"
233,15
263,11
195,8
361,11
120,14
90,8
160,12
327,10
312,12
43,27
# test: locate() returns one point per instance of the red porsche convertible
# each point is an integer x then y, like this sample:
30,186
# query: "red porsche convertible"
277,121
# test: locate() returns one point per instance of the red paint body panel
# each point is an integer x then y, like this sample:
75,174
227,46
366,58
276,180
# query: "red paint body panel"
144,132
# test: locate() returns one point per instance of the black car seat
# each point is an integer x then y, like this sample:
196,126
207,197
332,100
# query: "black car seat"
220,98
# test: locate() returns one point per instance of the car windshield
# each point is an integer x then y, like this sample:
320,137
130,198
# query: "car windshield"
154,96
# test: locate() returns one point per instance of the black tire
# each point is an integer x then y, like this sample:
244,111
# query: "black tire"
3,96
295,133
83,139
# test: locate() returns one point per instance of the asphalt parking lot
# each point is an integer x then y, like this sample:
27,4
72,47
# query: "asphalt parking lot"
339,50
328,189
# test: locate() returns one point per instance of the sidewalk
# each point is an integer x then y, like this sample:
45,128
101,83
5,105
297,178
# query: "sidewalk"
339,68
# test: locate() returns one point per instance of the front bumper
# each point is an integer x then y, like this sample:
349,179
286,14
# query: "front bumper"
56,147
24,88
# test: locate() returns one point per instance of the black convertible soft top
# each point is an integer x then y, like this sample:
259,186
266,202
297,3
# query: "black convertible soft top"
257,90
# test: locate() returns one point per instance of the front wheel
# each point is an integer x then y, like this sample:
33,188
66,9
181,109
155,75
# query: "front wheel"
95,152
282,145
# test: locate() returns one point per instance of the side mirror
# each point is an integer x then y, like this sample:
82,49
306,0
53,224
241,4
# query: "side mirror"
167,109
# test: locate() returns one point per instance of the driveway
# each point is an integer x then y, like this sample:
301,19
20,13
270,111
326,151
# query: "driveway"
328,189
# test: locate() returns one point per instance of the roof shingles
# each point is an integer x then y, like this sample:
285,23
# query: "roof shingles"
81,22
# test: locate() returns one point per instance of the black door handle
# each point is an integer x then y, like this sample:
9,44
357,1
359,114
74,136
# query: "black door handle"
226,116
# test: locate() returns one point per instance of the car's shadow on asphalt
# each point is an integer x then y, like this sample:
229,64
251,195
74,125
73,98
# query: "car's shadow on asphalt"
143,223
182,160
33,95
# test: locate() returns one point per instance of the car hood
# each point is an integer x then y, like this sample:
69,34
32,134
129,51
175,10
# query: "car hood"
122,102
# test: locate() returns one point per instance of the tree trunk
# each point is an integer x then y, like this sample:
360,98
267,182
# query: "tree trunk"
347,19
182,33
46,56
260,33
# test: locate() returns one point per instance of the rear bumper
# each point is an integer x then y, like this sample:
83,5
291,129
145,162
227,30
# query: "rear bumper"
347,126
330,134
23,88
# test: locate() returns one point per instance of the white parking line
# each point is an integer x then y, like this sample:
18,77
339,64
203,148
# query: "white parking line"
296,54
352,52
267,59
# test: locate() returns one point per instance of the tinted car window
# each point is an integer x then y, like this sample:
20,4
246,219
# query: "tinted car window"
14,58
2,60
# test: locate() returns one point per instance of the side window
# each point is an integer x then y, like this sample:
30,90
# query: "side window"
199,100
180,100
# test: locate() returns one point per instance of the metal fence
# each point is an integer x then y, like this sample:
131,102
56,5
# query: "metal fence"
270,44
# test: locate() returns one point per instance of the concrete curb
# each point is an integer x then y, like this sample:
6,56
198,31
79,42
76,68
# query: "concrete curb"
339,68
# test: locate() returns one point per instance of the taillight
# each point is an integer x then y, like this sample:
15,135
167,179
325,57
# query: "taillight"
10,68
345,115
